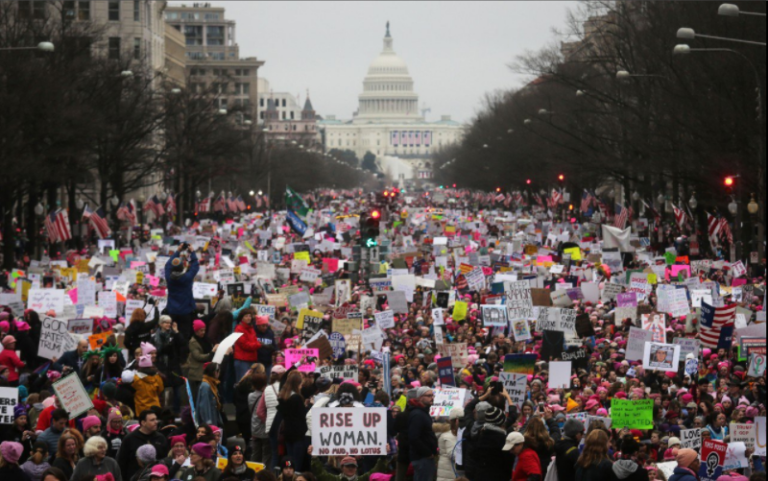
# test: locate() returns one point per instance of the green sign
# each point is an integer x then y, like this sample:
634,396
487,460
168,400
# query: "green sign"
632,414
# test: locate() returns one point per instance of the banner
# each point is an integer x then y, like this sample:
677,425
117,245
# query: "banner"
520,363
349,432
614,238
632,414
9,398
445,372
72,395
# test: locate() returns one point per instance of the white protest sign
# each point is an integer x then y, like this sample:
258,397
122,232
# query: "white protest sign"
44,300
72,395
743,433
385,320
688,346
347,373
224,346
515,385
446,400
108,302
667,468
86,292
679,306
494,316
560,375
760,427
690,438
661,357
14,302
638,338
202,290
133,305
310,275
519,301
437,317
9,398
736,456
349,432
610,291
55,339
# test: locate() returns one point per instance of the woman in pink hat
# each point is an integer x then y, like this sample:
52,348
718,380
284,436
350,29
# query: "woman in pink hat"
10,360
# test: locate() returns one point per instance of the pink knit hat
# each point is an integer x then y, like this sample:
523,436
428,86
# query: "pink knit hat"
197,325
91,421
145,361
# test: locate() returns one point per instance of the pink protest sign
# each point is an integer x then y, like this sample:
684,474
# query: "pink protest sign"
305,360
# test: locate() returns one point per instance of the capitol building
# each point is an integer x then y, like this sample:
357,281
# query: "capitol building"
388,122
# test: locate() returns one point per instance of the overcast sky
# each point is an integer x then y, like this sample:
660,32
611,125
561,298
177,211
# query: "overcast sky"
455,51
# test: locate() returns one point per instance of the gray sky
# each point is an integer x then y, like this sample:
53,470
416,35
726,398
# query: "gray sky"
456,51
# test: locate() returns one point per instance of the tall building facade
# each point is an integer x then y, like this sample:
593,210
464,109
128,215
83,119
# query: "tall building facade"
388,122
285,119
213,57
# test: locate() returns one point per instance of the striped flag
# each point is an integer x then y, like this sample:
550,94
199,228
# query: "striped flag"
204,205
240,203
519,199
653,211
220,205
586,201
725,230
538,200
153,204
680,217
170,204
98,220
127,212
232,204
621,218
716,325
57,226
713,226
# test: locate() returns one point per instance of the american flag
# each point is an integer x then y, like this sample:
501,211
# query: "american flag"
680,217
220,205
622,216
557,197
232,204
170,204
538,200
603,208
204,205
57,226
519,199
127,212
586,201
266,201
653,212
508,201
258,202
153,204
98,221
716,325
725,230
240,203
713,226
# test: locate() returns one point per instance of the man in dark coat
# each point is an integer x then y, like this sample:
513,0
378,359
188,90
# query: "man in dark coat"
567,450
181,302
146,434
422,437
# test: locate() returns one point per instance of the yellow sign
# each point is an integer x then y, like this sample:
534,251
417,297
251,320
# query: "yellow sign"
307,313
575,253
139,278
221,463
302,256
460,311
82,266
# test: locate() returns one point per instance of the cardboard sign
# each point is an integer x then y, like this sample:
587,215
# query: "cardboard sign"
55,339
346,326
224,346
349,432
632,414
44,300
347,373
515,385
690,439
385,320
519,302
309,322
446,400
305,360
494,316
712,459
743,433
9,398
72,395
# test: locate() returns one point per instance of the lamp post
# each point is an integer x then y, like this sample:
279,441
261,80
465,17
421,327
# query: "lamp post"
626,75
42,46
691,34
731,10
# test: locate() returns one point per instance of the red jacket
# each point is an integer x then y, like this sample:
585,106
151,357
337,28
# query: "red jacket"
247,347
528,464
10,360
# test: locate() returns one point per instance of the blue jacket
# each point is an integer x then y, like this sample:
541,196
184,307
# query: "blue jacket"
207,410
682,474
180,299
71,359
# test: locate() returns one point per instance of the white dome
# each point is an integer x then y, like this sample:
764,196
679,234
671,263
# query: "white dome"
388,63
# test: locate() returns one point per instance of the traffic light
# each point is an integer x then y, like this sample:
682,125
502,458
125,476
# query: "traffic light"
369,228
729,183
561,178
529,181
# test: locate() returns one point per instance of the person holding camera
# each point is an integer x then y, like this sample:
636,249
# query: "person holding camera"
180,277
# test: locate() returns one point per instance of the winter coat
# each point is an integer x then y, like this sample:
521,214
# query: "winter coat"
180,299
566,456
10,360
597,472
683,474
258,428
271,399
528,465
207,409
403,443
171,347
421,435
126,457
71,359
148,388
247,346
268,346
114,441
87,467
197,358
35,471
446,443
628,470
294,417
243,415
491,463
138,332
13,472
189,473
322,475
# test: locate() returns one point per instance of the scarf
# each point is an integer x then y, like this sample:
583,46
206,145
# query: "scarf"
205,344
214,383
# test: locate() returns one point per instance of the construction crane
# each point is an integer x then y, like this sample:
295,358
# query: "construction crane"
425,110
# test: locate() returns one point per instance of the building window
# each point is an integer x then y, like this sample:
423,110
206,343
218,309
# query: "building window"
195,55
217,55
114,48
261,102
292,115
172,16
136,10
137,48
114,11
242,89
215,35
194,35
68,10
261,115
39,9
84,10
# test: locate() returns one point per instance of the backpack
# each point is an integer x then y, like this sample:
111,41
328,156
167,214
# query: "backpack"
261,408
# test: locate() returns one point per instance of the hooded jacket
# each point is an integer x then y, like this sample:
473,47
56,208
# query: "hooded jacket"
180,299
628,470
566,456
683,474
423,442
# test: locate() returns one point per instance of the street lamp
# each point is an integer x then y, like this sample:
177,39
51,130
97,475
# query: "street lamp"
222,111
176,91
625,75
753,207
693,202
39,209
126,74
733,207
636,196
251,193
580,93
42,46
690,34
79,204
528,121
731,10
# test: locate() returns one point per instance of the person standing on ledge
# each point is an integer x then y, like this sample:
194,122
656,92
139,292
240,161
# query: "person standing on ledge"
181,301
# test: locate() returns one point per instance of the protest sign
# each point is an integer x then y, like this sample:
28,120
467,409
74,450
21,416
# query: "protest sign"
338,344
627,300
515,385
679,306
201,290
667,468
494,316
277,327
661,357
657,325
690,439
84,327
9,398
447,399
309,322
521,329
44,300
760,427
519,302
457,352
55,339
736,456
688,346
346,326
397,302
520,363
349,432
632,414
108,302
712,459
224,346
756,365
72,395
743,433
560,375
262,310
305,360
445,372
346,372
310,275
611,292
385,320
